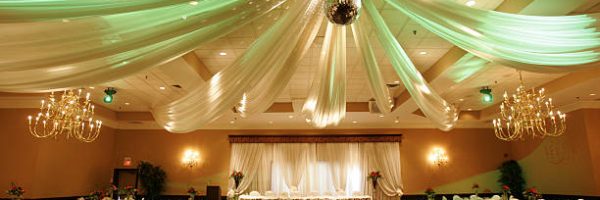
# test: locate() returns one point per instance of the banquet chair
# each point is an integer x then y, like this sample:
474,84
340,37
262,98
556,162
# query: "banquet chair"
269,193
255,193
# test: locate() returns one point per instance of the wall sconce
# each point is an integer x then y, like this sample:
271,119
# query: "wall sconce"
190,158
438,157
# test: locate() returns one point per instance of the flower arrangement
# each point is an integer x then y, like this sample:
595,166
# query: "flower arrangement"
374,176
96,195
475,187
110,190
15,191
128,191
505,192
192,192
430,193
237,177
532,194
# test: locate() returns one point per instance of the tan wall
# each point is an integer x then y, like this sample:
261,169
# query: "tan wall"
472,152
568,164
48,167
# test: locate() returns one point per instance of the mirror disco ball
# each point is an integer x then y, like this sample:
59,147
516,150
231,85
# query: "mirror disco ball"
342,12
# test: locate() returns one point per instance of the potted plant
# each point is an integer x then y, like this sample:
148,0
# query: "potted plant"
430,193
532,194
475,187
152,180
374,176
511,175
15,191
192,192
237,178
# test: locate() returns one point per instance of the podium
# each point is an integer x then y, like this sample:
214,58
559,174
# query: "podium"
213,193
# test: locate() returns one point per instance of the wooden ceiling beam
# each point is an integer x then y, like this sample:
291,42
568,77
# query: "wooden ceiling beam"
199,67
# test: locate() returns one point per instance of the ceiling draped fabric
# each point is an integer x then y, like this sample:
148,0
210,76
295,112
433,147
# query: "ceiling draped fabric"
54,54
326,101
51,45
440,112
533,43
14,11
259,99
377,84
224,90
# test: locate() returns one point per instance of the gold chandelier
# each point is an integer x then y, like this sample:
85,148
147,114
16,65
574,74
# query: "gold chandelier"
527,112
70,115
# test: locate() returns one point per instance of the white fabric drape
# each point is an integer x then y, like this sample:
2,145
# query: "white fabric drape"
378,87
58,54
320,168
326,101
245,158
440,112
534,43
270,52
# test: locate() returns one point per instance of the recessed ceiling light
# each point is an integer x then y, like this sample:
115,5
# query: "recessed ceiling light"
423,52
193,3
232,122
162,88
471,3
354,122
127,103
222,53
290,116
381,116
469,109
592,94
461,99
92,87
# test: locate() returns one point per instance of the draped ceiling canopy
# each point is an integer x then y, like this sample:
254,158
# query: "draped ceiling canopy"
51,45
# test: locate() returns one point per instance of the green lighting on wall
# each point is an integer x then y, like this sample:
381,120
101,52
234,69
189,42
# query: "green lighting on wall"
108,97
487,96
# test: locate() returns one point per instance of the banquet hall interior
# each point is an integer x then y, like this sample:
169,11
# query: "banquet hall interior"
300,99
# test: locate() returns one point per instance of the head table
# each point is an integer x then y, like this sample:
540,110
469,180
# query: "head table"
249,197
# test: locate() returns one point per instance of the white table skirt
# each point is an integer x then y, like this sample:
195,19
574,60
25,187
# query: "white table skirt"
248,197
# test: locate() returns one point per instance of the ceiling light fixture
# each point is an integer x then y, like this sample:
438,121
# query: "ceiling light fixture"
290,116
527,112
487,96
127,103
397,120
70,114
423,53
193,3
471,3
108,95
222,54
354,122
162,88
592,94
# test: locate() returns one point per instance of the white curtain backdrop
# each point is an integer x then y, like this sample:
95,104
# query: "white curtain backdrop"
318,168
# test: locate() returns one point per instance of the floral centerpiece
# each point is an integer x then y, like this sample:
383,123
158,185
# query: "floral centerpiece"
110,190
237,177
430,193
128,192
96,195
532,194
192,192
505,192
475,187
374,176
15,191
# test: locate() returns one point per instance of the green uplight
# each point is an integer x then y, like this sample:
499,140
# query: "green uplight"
108,97
487,96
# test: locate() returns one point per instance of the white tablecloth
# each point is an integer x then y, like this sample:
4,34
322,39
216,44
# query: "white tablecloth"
248,197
